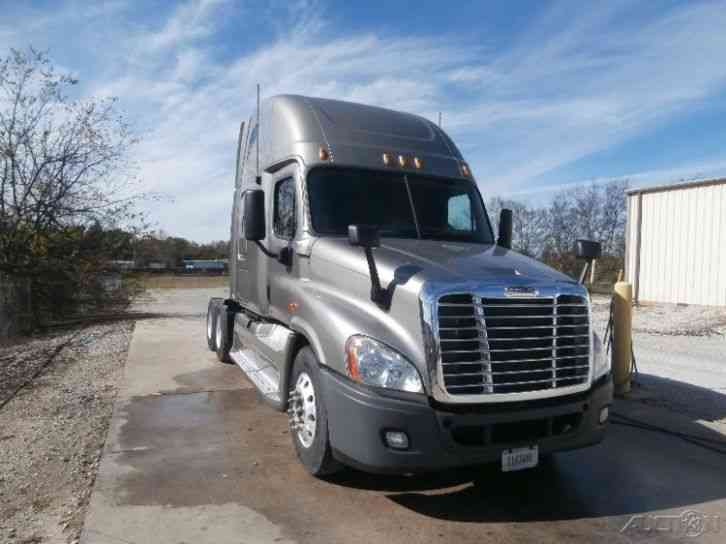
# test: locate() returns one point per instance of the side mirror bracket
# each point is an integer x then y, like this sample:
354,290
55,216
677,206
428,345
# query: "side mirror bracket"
367,237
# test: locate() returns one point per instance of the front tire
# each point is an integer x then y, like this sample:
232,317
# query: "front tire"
212,311
308,417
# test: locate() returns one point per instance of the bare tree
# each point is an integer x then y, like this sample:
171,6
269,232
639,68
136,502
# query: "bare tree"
62,162
528,225
614,217
64,176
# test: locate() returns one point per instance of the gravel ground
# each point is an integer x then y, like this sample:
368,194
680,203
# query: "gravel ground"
666,319
57,393
681,358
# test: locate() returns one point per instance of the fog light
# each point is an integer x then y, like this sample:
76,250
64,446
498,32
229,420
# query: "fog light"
397,440
604,413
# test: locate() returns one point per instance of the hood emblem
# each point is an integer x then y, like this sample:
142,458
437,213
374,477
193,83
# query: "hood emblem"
520,292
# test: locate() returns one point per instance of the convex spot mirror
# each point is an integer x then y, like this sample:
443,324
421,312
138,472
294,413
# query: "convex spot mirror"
588,250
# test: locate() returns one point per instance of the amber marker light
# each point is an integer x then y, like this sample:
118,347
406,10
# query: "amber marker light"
323,153
418,163
465,170
351,360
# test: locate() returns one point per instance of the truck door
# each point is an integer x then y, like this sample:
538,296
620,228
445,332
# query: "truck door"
285,208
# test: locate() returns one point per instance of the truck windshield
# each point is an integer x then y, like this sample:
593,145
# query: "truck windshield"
401,206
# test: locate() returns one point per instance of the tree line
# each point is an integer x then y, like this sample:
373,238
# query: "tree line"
172,251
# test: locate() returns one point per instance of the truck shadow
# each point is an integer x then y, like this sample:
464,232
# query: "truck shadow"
635,470
401,275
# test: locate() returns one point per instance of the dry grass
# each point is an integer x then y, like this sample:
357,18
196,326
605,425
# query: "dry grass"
183,282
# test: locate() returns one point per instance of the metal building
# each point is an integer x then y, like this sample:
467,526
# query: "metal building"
675,242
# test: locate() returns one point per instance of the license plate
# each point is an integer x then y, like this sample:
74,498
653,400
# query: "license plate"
519,458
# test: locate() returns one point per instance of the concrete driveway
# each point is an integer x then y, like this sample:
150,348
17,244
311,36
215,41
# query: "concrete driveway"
193,456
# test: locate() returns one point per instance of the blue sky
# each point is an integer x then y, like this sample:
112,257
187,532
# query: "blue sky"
538,95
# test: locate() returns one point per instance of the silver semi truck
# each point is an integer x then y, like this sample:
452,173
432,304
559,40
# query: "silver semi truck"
371,301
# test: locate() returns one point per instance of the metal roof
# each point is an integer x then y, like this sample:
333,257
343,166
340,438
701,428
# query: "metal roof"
675,186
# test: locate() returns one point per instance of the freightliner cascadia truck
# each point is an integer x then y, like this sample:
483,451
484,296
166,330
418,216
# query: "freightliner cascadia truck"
371,301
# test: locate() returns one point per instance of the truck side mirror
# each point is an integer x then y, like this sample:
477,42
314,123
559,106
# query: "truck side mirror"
505,229
254,218
588,250
363,235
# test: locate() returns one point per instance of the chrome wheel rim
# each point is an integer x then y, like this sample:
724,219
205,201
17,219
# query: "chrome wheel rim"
302,413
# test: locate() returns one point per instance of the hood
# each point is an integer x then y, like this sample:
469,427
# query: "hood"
430,260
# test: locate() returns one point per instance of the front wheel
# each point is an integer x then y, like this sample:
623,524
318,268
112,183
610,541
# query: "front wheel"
308,417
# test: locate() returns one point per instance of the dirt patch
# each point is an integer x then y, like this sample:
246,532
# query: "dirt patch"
57,393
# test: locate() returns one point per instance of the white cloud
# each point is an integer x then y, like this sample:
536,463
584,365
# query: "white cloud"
600,80
573,84
695,171
190,21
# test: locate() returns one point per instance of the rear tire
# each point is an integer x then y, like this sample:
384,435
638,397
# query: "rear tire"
223,334
212,311
312,442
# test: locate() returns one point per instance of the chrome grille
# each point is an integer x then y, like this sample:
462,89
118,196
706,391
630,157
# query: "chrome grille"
512,345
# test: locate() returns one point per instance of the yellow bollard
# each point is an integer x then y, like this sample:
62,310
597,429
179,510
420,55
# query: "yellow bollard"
622,336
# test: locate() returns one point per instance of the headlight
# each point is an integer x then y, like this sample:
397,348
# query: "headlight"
600,359
372,363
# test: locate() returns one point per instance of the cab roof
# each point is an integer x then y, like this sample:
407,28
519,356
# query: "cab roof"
354,134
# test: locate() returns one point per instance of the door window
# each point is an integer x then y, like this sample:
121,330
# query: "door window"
284,209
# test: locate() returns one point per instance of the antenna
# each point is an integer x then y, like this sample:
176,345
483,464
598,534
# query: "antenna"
439,119
258,179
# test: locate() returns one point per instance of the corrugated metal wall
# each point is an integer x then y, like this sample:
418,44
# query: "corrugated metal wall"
682,244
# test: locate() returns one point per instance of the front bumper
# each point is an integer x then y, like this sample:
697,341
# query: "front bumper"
445,436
